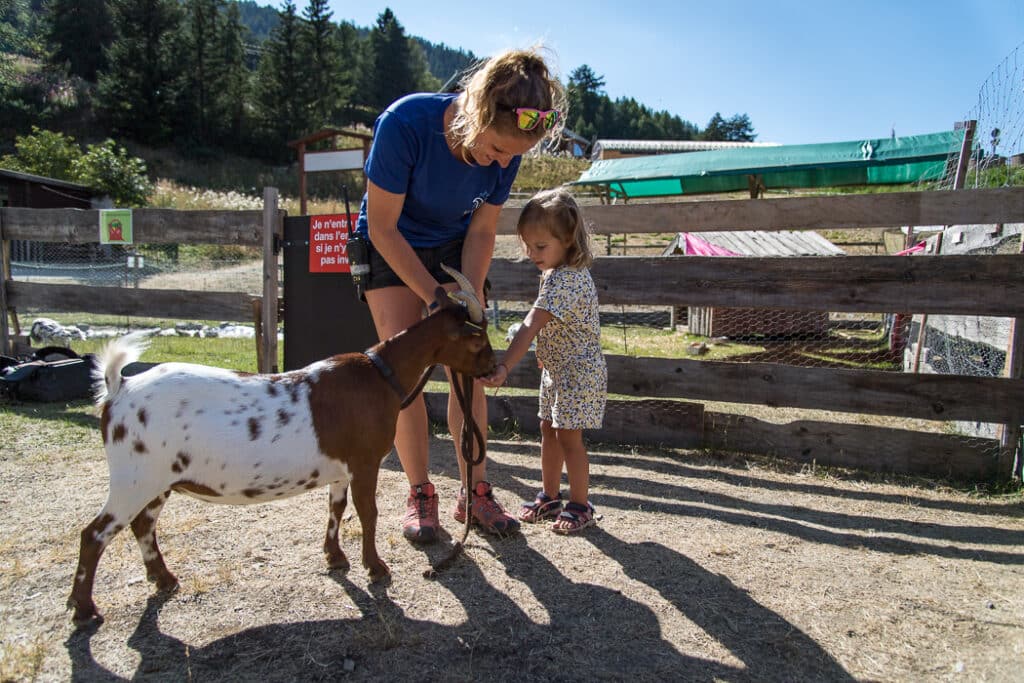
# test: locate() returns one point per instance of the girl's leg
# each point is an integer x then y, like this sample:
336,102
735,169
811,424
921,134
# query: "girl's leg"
552,457
577,464
577,513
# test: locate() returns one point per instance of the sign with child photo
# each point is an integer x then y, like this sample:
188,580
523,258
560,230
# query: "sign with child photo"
115,226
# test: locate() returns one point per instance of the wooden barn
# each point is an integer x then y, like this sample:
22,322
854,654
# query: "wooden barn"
748,322
36,192
24,190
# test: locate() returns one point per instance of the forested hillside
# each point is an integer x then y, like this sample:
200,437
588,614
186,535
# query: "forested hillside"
211,77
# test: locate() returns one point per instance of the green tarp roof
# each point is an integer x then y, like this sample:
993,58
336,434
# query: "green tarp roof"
859,162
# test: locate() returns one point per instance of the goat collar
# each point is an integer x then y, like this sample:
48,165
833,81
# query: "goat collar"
385,370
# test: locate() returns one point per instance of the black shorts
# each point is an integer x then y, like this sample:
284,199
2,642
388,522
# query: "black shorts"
449,254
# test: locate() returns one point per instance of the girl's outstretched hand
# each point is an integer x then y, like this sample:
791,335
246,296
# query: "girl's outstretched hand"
496,378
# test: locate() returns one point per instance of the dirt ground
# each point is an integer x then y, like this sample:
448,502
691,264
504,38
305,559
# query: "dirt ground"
702,568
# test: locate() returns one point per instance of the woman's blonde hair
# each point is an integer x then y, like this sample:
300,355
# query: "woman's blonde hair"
557,212
490,92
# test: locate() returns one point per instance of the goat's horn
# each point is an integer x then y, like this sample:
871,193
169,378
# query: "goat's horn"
467,295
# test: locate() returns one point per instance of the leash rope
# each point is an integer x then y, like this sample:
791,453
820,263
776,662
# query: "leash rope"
462,385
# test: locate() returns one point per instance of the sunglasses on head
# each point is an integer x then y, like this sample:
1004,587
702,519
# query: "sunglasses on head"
528,118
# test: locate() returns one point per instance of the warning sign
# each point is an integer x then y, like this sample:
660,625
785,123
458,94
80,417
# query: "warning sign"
328,241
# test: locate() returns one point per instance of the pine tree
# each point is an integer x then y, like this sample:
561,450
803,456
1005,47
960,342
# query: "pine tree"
233,88
584,95
323,65
389,73
138,93
738,128
77,33
282,98
202,75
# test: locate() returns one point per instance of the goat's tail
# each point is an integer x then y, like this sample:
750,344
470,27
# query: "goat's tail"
112,359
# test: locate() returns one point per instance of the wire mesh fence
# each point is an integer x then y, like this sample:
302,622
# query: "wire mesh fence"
164,266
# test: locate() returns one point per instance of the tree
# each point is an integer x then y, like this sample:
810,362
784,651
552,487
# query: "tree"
738,128
44,152
282,100
78,32
390,71
105,167
585,92
233,89
202,74
331,83
139,91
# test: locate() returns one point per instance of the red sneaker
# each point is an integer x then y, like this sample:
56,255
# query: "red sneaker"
487,511
421,522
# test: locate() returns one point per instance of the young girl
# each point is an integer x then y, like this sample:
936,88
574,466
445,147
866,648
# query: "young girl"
574,379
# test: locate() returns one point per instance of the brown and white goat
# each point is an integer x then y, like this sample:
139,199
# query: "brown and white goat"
236,438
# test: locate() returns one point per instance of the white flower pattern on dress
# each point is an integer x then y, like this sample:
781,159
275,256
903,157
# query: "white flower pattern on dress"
574,381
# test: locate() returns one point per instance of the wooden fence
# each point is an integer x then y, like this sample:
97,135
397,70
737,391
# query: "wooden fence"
983,285
664,394
151,226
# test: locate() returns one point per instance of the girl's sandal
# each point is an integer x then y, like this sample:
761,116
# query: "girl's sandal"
574,518
542,508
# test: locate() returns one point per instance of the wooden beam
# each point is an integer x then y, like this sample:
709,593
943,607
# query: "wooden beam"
149,226
866,392
991,285
162,303
829,444
895,209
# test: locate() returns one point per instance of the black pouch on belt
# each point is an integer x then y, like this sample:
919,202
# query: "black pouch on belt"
358,253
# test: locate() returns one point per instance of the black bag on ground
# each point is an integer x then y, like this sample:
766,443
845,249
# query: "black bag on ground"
52,374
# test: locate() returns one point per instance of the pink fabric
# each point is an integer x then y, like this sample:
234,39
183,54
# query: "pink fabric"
912,250
696,246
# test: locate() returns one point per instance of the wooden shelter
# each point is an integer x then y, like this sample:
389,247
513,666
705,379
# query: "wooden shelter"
745,322
334,158
37,192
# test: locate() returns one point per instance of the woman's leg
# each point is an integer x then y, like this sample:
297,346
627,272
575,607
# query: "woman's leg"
395,309
487,511
552,458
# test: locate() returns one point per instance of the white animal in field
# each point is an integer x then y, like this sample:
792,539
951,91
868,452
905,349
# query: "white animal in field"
513,329
47,331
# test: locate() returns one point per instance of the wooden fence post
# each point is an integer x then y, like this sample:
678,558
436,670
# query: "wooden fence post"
5,340
1009,434
958,184
271,240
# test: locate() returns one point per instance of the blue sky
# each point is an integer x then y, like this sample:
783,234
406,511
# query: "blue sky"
803,71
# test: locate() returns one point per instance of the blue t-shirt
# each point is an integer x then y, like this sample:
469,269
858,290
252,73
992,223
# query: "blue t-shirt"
410,156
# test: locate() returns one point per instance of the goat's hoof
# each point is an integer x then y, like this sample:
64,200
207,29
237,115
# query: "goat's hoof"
338,563
379,572
167,583
85,615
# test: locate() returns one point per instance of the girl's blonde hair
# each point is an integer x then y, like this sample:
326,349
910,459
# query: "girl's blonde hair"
514,78
557,212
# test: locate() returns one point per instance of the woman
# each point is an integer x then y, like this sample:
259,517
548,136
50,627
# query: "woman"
440,167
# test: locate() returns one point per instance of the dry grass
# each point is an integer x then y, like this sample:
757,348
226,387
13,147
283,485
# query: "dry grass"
702,568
